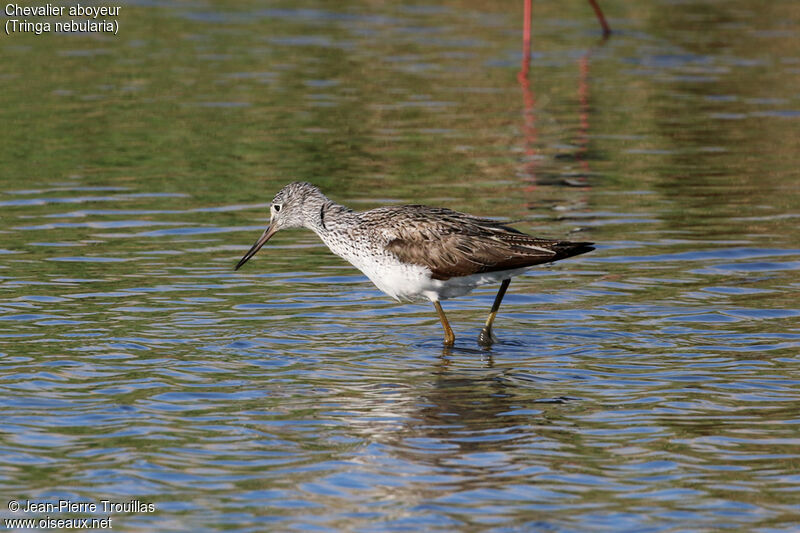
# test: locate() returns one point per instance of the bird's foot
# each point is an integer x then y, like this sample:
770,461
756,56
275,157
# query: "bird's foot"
486,337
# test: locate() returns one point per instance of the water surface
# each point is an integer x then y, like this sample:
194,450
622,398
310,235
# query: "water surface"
651,385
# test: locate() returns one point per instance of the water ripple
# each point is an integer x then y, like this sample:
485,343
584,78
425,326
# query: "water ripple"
649,386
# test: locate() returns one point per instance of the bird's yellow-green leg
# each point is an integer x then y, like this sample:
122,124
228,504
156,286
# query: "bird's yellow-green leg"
486,338
449,338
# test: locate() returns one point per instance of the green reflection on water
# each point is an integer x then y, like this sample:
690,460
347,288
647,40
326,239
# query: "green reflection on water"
681,133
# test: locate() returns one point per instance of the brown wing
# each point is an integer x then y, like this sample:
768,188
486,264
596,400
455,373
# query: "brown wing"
455,244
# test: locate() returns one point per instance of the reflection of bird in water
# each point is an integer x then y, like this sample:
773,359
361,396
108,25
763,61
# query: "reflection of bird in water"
415,252
448,430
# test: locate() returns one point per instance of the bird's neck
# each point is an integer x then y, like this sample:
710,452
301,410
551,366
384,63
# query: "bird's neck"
324,216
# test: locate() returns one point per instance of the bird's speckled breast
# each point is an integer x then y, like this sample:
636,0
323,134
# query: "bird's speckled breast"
401,281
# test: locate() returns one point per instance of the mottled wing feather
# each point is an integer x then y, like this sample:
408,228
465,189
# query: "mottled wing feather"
453,244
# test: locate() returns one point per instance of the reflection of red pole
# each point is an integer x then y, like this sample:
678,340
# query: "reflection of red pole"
528,128
583,101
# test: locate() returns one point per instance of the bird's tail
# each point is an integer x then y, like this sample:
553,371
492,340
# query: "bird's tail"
566,249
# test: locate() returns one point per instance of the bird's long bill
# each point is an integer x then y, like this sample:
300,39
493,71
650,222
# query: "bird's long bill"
269,232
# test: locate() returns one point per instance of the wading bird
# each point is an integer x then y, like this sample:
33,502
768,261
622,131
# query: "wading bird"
415,252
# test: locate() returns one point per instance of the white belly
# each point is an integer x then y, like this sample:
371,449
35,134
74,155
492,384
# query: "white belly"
414,283
407,282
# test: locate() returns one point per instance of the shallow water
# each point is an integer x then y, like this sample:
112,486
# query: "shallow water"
651,385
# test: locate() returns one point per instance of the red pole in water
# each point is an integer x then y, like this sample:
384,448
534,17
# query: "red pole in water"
526,41
529,127
526,32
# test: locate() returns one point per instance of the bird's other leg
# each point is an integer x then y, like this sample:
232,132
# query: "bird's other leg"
449,338
486,338
601,18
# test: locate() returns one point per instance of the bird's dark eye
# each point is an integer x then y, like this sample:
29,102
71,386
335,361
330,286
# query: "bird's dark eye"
277,207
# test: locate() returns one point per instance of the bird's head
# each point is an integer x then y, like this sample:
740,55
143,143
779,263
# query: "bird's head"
291,208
